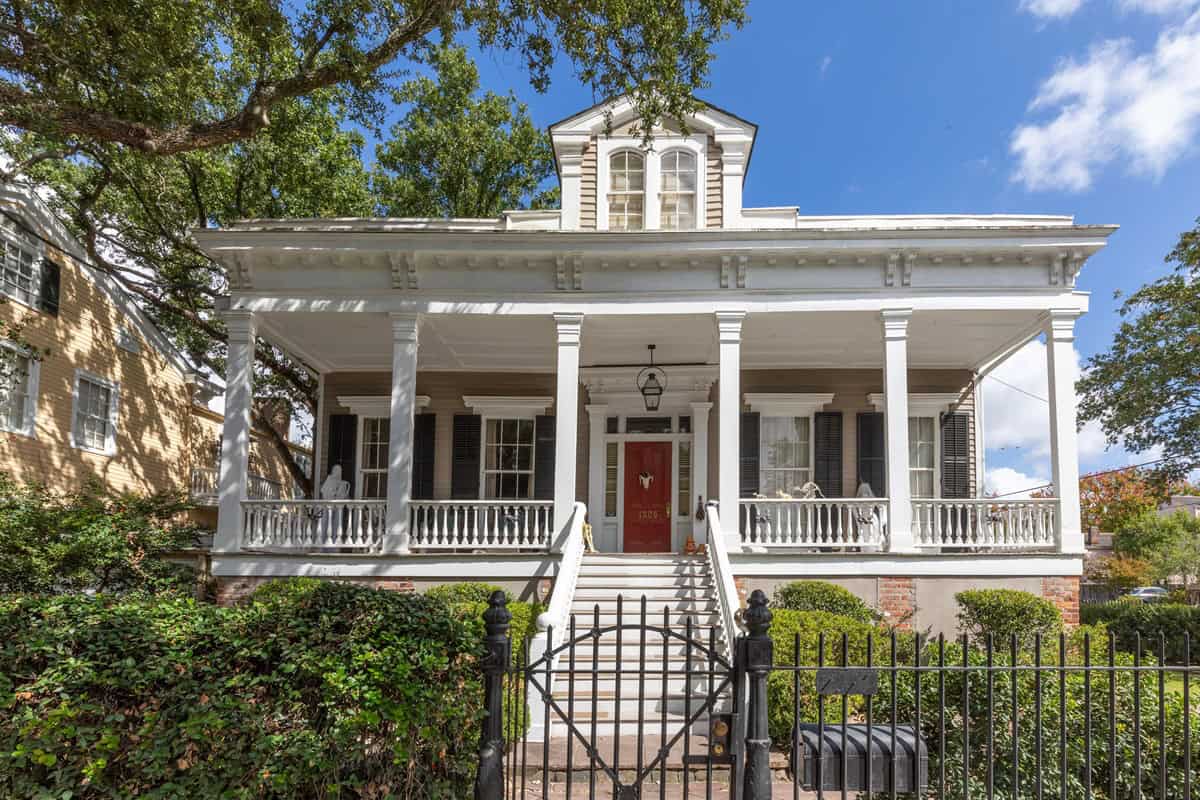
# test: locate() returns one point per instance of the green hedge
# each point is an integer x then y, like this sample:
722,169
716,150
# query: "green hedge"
466,592
1004,613
822,596
1125,620
312,689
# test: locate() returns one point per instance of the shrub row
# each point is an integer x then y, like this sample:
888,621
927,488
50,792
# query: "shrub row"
1126,621
311,689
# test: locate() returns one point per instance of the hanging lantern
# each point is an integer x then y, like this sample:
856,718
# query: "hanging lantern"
652,382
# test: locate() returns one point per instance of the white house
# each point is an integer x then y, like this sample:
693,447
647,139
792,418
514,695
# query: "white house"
484,387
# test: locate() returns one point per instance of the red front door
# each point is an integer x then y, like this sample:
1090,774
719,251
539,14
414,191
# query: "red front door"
647,497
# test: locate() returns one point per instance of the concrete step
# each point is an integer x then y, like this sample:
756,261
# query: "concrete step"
607,649
617,583
584,610
651,685
643,569
642,558
653,594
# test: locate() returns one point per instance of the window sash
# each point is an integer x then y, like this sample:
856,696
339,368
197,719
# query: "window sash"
785,454
508,447
922,456
626,191
678,196
373,458
15,391
94,406
20,269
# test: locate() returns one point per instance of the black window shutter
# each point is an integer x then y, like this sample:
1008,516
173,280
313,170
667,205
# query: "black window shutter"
343,430
49,287
956,455
543,458
424,426
464,469
827,447
748,458
872,458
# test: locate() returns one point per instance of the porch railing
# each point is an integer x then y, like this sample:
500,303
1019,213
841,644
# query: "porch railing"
481,524
813,522
722,571
307,525
983,522
205,482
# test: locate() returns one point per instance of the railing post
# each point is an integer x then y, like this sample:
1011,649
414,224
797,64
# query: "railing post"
489,778
755,652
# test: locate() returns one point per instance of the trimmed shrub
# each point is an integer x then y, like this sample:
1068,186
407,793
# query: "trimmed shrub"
1127,620
466,592
822,596
312,689
1004,613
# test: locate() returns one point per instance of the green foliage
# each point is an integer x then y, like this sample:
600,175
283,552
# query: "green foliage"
90,540
822,596
466,592
1170,545
312,689
1143,389
1121,572
1005,613
1126,621
454,154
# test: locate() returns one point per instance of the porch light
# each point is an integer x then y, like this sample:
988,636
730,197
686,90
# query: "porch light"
651,382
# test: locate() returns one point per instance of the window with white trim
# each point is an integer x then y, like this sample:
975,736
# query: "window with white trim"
922,456
373,458
784,455
627,191
95,414
678,195
508,458
18,390
20,265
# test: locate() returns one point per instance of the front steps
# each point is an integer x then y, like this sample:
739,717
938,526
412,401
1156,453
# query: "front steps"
617,683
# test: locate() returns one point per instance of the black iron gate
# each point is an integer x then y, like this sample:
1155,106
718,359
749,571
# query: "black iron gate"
635,707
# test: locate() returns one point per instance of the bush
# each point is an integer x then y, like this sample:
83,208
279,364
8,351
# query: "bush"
312,689
466,592
91,540
1004,613
822,596
1126,620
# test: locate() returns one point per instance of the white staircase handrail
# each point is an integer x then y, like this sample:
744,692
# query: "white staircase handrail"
559,608
727,593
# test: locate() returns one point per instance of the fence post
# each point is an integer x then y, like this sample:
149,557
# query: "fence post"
489,777
757,656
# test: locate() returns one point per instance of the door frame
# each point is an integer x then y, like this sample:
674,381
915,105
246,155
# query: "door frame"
621,439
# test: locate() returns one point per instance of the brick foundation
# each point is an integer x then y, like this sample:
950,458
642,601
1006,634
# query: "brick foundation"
1064,593
898,601
234,590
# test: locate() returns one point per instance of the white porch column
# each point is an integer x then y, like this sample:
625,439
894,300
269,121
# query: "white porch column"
729,337
699,467
570,171
400,439
235,435
597,464
566,411
1064,444
895,399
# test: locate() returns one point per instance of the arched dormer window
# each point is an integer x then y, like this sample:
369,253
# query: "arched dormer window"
627,191
678,197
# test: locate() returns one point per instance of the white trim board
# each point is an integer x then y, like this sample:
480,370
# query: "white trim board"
371,405
507,407
874,565
451,567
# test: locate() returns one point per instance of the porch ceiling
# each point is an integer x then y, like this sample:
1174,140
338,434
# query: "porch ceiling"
512,343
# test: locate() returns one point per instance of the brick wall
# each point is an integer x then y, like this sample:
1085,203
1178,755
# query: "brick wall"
233,590
1064,593
898,600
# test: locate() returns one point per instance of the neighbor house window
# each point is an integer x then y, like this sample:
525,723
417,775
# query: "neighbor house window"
373,458
19,266
627,191
18,390
785,455
678,211
508,458
922,453
95,417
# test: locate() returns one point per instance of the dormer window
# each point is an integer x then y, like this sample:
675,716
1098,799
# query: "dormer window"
627,191
678,210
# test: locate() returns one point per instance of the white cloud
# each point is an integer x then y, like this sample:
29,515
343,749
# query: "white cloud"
826,62
1117,105
1051,9
1010,482
1157,6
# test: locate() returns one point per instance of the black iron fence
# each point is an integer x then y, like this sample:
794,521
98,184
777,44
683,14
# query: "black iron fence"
845,715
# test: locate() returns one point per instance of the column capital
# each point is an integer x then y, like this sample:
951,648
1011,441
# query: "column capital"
405,326
568,325
895,322
596,409
701,408
241,324
1060,324
729,326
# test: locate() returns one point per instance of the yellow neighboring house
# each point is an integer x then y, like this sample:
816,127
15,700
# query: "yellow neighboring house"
102,393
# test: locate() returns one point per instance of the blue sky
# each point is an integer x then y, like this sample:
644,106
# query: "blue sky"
918,107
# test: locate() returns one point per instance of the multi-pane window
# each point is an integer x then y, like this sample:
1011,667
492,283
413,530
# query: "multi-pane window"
19,273
95,414
922,453
610,479
508,458
16,400
627,191
678,191
373,463
785,455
